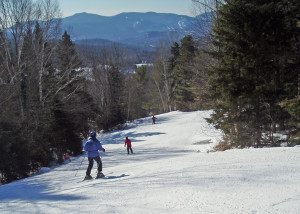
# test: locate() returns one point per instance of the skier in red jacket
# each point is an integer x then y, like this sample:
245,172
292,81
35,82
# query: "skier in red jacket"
153,119
128,143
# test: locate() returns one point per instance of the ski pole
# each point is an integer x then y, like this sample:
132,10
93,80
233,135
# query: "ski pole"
80,165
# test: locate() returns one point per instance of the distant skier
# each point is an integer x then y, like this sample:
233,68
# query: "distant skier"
153,119
67,157
128,143
92,146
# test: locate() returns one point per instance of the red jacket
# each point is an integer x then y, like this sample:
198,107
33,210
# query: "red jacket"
128,142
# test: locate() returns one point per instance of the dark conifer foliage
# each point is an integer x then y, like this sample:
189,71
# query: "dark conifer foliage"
173,61
15,153
256,69
141,79
51,98
114,113
184,74
172,64
181,70
71,105
292,106
45,107
67,57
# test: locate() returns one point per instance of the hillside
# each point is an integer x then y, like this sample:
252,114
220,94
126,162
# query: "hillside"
141,29
172,170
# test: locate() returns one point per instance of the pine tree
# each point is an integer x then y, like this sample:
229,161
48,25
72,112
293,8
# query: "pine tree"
15,158
25,60
68,60
173,62
254,71
114,113
293,108
183,74
141,78
69,107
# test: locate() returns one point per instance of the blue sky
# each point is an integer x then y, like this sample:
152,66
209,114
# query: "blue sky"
113,7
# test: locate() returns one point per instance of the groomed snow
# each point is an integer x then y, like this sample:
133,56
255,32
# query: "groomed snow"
172,170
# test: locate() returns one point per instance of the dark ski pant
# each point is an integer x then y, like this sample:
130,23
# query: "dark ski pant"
129,147
91,163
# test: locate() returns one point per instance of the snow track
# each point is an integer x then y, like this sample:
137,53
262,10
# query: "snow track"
169,172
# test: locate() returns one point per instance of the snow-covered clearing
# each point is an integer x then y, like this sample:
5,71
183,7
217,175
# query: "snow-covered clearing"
171,171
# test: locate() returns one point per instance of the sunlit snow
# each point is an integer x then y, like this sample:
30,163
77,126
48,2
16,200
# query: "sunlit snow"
173,170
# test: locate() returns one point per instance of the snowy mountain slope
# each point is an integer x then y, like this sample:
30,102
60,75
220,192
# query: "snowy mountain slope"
124,25
170,172
134,29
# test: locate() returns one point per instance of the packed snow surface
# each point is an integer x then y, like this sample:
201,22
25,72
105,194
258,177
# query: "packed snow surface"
172,170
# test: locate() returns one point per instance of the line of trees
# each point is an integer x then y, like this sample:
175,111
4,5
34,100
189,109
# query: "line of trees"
246,67
44,104
50,97
254,73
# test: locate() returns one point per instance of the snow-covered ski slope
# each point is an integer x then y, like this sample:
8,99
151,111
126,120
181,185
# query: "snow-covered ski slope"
171,171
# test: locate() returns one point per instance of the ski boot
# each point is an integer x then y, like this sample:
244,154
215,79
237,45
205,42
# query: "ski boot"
88,177
100,175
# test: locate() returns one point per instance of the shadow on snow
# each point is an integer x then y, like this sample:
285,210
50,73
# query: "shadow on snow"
33,192
119,137
115,177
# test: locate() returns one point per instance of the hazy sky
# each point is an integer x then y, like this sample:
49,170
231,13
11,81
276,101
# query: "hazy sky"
113,7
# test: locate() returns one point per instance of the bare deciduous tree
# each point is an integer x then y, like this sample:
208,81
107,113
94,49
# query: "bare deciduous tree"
17,18
205,13
161,75
46,11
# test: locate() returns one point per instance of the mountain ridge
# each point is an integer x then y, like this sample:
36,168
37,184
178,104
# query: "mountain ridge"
145,29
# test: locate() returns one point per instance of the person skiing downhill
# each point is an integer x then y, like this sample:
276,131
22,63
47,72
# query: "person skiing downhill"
92,146
128,143
153,119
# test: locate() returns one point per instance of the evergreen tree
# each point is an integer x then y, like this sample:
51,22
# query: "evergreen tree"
15,158
183,74
293,108
142,91
254,69
138,85
114,113
69,107
173,62
68,61
27,57
25,60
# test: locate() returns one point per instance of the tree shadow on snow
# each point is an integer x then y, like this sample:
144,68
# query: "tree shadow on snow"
157,153
147,121
119,137
33,192
140,155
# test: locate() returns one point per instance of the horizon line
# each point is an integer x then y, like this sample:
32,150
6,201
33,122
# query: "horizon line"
126,12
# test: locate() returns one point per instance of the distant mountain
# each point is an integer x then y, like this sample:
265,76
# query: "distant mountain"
140,29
